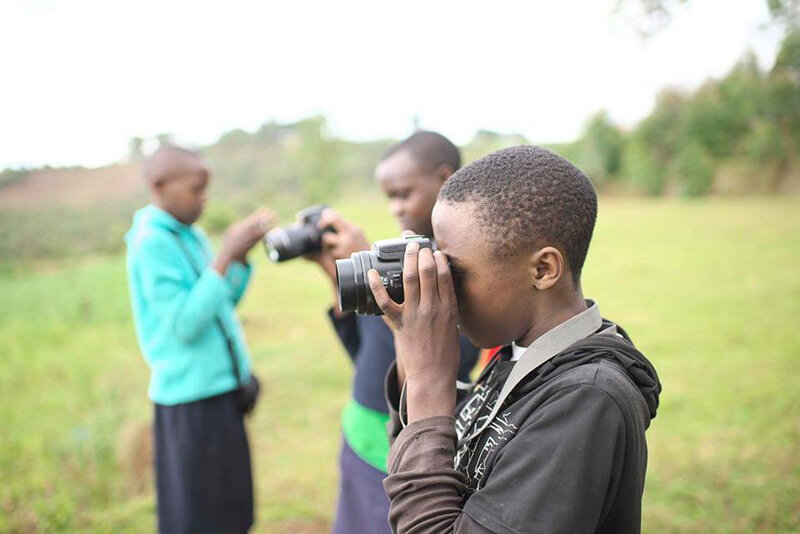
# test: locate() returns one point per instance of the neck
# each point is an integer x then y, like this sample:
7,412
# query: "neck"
552,310
155,201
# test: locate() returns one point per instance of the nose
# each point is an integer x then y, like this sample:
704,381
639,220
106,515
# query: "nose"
397,208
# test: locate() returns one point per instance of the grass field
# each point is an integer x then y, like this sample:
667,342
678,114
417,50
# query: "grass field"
709,290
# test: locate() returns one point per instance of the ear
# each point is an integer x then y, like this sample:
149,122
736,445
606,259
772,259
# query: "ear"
443,172
158,187
547,267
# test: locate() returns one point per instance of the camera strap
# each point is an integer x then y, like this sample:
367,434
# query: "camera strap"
540,351
228,341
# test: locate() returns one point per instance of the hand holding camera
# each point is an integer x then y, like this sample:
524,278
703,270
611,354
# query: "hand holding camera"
241,236
346,238
299,239
387,258
319,231
320,235
425,325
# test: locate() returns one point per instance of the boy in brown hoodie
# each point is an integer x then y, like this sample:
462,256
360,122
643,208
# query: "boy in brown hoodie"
551,438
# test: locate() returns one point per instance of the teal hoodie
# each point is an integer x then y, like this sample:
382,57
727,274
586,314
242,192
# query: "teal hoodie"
174,309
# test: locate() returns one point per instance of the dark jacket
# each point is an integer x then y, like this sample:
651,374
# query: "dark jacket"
566,452
370,344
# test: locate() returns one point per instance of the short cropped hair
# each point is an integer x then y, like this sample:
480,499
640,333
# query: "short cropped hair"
526,197
429,150
167,161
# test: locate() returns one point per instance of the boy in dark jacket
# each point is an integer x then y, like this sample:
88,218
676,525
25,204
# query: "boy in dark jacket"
410,174
552,436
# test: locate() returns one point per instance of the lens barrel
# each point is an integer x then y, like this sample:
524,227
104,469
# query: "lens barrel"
354,292
292,241
386,257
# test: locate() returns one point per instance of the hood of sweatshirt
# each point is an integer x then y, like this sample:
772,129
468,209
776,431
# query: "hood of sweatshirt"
615,346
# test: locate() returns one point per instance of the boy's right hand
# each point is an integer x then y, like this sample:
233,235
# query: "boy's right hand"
339,244
346,239
241,236
425,330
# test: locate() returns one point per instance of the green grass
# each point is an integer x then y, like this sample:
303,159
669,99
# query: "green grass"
709,290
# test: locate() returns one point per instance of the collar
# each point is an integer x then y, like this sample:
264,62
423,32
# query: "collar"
572,330
516,351
541,350
153,215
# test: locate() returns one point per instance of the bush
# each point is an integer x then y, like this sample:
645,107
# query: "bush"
695,169
9,176
600,149
640,168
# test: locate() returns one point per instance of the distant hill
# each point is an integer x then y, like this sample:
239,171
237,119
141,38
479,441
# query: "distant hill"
72,188
736,135
52,213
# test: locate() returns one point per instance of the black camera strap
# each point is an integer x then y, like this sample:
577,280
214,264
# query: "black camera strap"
228,341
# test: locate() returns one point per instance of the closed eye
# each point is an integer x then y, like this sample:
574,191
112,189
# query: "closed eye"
402,195
457,276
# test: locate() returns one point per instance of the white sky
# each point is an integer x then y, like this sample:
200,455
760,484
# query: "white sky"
78,78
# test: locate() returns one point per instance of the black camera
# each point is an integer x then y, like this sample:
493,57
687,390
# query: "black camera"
297,239
386,257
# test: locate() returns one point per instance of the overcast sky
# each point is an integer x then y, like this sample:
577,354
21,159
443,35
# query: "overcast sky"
78,78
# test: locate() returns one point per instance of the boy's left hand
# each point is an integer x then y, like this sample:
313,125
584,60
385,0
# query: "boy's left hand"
425,330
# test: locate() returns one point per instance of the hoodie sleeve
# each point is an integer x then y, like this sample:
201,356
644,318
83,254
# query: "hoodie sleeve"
424,489
238,276
187,310
556,475
346,327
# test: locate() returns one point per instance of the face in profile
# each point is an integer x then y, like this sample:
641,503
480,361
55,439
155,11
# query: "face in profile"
184,196
494,295
411,191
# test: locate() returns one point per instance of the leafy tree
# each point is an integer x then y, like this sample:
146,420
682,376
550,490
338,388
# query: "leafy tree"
135,145
599,151
695,168
8,176
315,157
641,168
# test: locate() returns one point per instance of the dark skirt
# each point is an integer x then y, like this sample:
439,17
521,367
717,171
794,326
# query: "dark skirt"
363,506
203,478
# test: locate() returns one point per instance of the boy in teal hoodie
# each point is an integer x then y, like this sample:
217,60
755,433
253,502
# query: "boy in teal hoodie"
183,298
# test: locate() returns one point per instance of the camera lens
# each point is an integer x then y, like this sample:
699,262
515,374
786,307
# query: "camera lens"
386,257
354,292
292,241
277,242
345,279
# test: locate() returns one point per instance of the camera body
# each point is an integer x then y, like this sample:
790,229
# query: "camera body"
289,242
386,257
